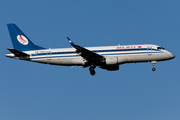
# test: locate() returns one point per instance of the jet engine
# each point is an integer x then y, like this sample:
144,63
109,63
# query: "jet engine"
111,60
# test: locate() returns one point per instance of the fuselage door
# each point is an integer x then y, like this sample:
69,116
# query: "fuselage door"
149,50
48,55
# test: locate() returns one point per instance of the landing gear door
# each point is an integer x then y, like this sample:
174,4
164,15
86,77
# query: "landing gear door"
149,50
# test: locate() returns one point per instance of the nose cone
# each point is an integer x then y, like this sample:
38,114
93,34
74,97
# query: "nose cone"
171,55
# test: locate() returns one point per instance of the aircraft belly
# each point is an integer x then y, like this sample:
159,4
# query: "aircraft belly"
152,57
61,61
71,61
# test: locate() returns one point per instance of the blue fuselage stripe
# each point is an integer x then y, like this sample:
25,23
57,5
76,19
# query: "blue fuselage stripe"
97,51
69,54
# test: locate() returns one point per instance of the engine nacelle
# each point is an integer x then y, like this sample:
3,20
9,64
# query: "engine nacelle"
110,67
111,60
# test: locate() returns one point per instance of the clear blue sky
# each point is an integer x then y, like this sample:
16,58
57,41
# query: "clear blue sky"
33,91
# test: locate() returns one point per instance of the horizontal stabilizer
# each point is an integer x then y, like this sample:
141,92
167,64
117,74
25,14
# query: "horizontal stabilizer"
17,53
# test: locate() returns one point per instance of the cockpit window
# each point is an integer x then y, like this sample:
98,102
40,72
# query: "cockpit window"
160,48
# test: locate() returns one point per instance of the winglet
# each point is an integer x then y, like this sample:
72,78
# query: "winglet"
71,42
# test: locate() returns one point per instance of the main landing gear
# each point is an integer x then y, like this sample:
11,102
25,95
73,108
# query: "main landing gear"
153,62
91,69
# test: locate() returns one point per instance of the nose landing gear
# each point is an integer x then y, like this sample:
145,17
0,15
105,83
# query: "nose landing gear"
153,69
91,69
153,62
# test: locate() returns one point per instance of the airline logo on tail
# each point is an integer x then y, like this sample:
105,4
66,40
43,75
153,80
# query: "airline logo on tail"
23,40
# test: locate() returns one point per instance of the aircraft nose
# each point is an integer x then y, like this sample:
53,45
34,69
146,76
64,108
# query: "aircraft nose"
171,55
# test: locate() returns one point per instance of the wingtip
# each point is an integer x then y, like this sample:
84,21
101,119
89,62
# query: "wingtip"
70,41
68,38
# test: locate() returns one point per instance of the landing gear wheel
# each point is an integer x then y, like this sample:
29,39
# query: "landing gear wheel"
93,72
153,69
153,62
91,69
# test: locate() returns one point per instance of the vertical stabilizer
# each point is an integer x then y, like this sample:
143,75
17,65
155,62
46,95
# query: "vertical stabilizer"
19,40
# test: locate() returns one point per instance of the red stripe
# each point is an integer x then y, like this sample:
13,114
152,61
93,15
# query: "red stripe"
21,38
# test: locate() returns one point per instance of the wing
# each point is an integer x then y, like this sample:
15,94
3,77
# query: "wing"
85,53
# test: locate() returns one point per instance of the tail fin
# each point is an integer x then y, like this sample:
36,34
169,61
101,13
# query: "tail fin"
19,40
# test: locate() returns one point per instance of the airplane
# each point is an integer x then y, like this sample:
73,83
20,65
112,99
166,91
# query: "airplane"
105,57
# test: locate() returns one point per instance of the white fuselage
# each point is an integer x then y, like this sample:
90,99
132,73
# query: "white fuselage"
106,57
114,55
